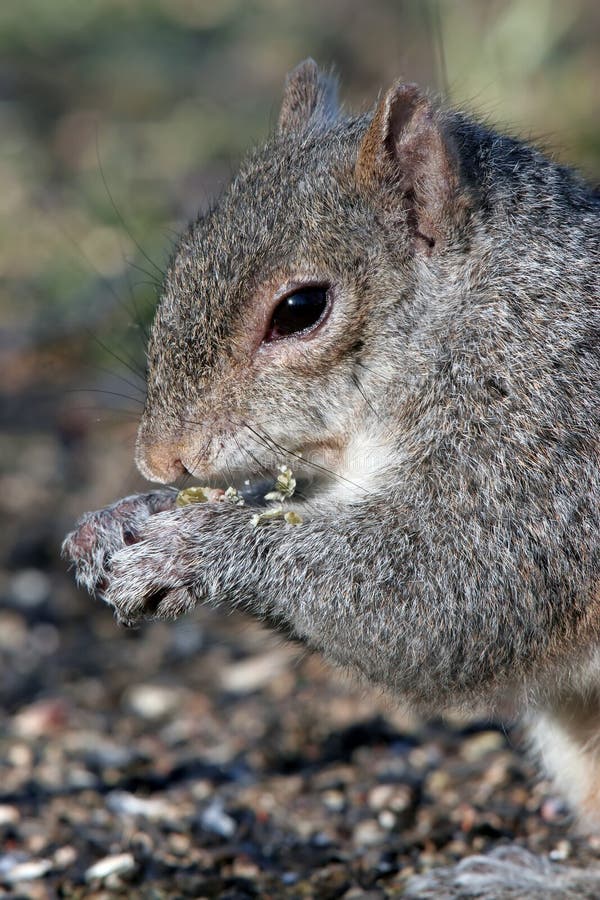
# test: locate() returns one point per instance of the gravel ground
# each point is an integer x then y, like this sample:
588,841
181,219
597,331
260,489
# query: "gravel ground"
206,759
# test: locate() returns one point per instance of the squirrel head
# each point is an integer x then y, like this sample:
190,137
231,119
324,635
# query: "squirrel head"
286,295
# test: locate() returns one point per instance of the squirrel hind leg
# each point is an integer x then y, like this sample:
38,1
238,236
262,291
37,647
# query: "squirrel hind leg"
566,736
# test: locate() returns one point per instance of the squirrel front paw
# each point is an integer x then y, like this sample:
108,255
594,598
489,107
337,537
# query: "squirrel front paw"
101,534
149,579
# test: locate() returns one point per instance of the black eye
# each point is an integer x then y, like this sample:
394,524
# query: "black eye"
297,312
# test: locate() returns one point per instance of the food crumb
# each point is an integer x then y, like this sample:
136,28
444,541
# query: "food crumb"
232,495
192,495
267,515
284,486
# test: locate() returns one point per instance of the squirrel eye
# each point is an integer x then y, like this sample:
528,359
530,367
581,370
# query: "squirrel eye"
297,312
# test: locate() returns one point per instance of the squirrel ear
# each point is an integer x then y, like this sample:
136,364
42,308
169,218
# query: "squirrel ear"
405,145
309,96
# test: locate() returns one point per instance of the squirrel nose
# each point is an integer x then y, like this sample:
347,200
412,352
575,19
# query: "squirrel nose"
160,461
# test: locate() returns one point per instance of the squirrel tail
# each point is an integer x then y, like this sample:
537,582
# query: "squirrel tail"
506,873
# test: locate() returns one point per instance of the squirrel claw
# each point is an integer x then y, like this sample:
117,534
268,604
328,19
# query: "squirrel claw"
91,546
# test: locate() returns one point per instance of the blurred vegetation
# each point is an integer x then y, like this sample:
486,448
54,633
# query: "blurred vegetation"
120,118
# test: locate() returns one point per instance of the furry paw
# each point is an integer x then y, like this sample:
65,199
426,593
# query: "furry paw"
149,579
99,535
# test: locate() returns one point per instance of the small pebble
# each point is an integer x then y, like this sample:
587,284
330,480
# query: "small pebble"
9,815
179,844
13,631
65,856
334,800
397,797
368,833
561,851
436,782
108,755
29,588
387,819
245,868
380,795
467,817
126,804
215,819
119,864
356,893
321,839
479,745
152,701
42,718
20,756
27,871
256,672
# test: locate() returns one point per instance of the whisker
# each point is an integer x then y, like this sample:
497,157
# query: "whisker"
139,319
309,462
143,282
132,313
118,212
189,474
131,384
229,473
153,279
359,388
133,416
101,391
131,365
260,468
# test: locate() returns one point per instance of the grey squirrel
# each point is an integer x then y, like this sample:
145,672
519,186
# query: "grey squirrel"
403,306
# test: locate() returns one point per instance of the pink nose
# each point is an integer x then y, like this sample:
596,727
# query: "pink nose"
159,461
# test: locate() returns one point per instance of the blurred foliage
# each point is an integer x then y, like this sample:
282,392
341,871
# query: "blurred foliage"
120,118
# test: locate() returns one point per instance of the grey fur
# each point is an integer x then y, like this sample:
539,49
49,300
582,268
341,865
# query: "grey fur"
462,344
